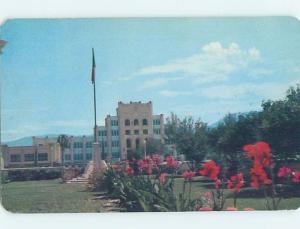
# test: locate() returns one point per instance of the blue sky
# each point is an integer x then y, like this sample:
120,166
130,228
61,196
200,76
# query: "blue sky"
203,67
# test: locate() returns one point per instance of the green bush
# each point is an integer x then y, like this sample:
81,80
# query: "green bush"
33,174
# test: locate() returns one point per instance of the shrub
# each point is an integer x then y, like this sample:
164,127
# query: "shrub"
33,174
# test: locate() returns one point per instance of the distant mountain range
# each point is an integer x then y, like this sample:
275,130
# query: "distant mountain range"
27,141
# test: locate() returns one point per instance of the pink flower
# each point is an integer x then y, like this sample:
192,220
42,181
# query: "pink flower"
218,183
236,182
187,175
205,209
207,195
249,209
284,171
162,178
231,209
296,177
171,161
129,171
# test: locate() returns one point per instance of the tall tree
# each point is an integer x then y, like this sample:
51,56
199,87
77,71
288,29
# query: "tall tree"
281,124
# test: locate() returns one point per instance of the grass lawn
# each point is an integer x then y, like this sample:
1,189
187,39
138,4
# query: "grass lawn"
258,203
48,196
53,196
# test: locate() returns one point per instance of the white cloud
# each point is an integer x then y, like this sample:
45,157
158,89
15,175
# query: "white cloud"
154,83
213,63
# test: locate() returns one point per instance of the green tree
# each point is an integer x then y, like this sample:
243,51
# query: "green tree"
188,136
281,124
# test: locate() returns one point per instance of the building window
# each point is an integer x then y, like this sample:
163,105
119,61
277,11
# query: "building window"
42,157
114,122
88,156
115,154
88,144
102,133
136,122
115,143
128,143
78,145
78,157
67,157
127,122
145,131
127,132
145,122
136,132
137,143
15,158
156,122
156,131
114,132
29,157
103,144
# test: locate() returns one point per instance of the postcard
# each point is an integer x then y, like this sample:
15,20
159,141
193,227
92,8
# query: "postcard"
150,114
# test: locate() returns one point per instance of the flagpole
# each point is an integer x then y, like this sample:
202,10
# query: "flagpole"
95,114
95,109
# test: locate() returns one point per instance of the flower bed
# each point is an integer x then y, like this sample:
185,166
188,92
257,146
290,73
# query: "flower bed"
144,185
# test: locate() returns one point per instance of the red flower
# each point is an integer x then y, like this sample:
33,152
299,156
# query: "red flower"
218,184
156,159
142,164
129,171
260,153
249,209
171,161
210,169
205,209
116,167
236,182
284,171
149,170
162,178
187,175
296,177
207,195
259,176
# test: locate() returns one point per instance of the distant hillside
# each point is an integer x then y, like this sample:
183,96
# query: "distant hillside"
26,141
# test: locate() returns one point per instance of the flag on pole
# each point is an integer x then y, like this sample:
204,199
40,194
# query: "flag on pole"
93,68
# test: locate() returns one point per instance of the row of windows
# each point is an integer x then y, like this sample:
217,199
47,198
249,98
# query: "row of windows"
156,131
136,122
103,133
156,122
29,157
115,143
129,145
115,133
114,122
136,132
78,157
78,145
